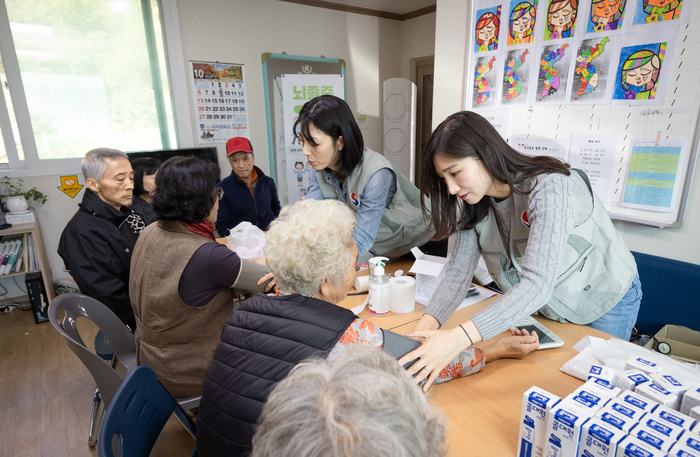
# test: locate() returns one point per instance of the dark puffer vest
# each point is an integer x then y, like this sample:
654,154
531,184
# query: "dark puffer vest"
260,344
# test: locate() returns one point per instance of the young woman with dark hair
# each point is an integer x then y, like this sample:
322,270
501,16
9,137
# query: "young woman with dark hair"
547,240
387,204
181,278
144,184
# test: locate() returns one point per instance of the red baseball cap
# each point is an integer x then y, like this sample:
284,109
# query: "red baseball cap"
238,144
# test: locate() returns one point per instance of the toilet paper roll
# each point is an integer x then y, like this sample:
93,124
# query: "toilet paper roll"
362,283
403,294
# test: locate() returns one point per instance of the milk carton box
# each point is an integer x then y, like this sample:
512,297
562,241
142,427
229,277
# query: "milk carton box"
653,438
601,372
629,380
673,385
643,365
594,396
599,439
602,387
669,415
564,425
533,421
695,414
632,447
690,441
657,393
626,410
636,400
614,418
679,450
691,399
662,427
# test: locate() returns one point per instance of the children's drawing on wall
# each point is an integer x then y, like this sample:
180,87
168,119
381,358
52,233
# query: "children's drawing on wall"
561,19
515,77
591,74
606,15
652,11
488,26
484,74
554,68
638,72
521,24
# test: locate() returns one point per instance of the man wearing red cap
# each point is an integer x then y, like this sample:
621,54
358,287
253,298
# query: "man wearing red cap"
249,195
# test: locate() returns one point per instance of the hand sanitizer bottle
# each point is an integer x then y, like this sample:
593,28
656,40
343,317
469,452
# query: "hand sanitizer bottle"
379,290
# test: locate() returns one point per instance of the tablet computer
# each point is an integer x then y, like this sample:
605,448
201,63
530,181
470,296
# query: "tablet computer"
548,339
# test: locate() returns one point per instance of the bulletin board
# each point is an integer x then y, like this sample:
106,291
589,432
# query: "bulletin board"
673,117
274,66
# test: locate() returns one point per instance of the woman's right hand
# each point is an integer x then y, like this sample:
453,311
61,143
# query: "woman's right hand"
270,276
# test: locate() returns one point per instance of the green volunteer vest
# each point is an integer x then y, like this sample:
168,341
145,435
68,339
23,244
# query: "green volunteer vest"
403,225
594,273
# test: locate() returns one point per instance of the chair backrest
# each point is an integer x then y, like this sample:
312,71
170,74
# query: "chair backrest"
137,414
118,335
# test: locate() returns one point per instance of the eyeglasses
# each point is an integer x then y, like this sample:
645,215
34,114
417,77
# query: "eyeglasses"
219,193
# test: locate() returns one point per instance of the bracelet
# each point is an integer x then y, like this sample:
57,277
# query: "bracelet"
471,343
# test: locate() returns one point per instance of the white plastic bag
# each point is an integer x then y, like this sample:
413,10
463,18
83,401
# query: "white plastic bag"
246,240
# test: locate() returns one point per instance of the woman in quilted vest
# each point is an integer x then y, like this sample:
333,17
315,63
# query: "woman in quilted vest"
546,239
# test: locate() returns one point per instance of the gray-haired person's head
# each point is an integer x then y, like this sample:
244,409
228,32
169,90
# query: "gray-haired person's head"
364,404
311,242
93,164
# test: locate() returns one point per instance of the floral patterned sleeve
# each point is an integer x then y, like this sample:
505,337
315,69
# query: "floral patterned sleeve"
364,332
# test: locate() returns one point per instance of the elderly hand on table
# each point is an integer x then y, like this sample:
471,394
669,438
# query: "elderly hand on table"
442,346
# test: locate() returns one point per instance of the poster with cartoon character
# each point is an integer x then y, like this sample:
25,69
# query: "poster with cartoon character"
606,15
650,12
487,29
521,21
644,69
297,89
561,19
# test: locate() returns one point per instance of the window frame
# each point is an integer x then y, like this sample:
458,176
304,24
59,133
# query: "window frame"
32,165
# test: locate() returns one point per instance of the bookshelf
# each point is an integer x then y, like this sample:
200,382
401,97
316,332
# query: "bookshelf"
42,259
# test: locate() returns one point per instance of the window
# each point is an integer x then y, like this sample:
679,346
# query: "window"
92,73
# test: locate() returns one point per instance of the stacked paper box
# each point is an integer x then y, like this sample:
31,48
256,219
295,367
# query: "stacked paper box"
533,421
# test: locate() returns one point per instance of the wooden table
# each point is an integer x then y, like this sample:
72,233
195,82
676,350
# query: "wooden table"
483,410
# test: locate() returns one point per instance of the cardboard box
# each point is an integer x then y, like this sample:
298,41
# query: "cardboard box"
564,426
631,446
657,393
652,437
614,418
629,380
684,342
533,421
674,417
639,402
678,450
627,410
427,269
691,399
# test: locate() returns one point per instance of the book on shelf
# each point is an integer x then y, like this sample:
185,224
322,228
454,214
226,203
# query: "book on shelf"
20,258
13,257
32,254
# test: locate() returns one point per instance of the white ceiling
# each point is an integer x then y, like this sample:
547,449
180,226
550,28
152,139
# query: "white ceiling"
391,6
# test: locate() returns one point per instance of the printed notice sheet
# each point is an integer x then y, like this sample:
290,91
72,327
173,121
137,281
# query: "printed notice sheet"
541,147
652,175
594,155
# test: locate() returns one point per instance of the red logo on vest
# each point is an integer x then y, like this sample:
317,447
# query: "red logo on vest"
524,219
355,200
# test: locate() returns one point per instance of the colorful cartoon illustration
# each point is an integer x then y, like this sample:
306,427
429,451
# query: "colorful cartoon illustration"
589,75
522,22
488,27
638,72
606,15
483,85
299,171
511,78
658,10
561,19
550,75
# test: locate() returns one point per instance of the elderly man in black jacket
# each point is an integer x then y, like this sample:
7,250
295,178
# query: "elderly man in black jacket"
96,244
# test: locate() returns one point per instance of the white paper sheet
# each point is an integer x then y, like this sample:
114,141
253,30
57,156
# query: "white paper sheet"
541,147
595,155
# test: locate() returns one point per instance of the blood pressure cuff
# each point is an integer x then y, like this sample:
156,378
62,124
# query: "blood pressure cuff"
398,346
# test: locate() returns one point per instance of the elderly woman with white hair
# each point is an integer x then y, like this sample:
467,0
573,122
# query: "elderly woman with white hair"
311,251
364,404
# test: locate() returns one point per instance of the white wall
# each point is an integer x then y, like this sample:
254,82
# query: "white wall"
450,70
241,31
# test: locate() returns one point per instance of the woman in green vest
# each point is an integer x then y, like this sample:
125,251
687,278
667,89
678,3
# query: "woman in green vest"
546,238
387,205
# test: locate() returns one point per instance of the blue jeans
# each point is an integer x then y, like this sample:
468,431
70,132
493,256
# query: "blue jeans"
622,317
